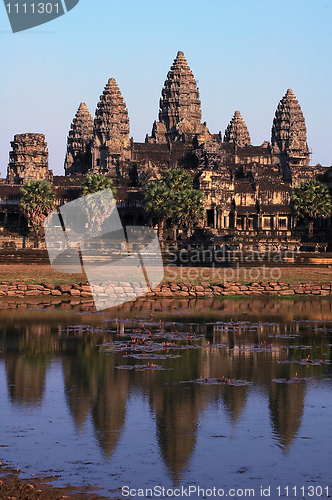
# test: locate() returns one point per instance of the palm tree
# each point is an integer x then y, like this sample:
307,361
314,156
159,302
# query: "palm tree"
173,196
94,183
99,199
311,199
156,202
190,203
37,201
177,179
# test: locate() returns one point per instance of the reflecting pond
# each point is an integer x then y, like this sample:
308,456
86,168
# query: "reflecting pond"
232,393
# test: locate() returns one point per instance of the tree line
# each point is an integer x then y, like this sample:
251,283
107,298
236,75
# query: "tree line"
171,197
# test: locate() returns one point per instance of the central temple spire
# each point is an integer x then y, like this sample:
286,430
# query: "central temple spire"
180,106
180,97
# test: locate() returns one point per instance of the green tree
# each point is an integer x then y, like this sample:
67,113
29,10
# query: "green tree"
176,179
190,208
173,196
94,183
156,202
98,205
311,199
37,201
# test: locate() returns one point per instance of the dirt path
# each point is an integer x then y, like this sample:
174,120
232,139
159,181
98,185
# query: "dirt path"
12,487
36,274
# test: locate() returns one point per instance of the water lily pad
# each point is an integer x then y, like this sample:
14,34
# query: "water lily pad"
142,368
293,380
217,381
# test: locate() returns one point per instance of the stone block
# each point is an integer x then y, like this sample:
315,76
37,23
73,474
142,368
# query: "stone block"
64,288
49,286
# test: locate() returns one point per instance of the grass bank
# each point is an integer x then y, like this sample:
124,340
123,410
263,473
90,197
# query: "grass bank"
35,274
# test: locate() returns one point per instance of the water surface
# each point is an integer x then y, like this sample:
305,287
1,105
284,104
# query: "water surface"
226,394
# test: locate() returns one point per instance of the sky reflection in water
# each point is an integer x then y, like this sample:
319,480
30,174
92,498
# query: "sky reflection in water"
66,411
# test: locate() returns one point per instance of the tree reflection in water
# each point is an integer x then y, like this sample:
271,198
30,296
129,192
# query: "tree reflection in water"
256,335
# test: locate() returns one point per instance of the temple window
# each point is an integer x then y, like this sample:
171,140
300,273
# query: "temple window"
250,223
240,223
267,223
283,223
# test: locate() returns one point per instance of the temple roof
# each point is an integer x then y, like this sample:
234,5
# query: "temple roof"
243,186
236,132
289,133
81,127
180,97
111,114
78,141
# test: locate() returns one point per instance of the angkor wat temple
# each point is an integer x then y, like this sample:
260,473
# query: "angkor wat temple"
247,188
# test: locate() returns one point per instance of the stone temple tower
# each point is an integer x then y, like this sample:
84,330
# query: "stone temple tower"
78,157
236,132
180,106
111,143
289,135
28,159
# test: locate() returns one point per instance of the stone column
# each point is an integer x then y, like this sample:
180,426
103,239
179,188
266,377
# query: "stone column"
221,221
259,222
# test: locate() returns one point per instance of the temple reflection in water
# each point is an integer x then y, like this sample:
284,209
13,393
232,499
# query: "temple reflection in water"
234,341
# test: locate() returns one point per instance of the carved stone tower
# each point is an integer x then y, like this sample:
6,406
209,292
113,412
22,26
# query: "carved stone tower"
180,106
28,159
111,143
289,135
78,157
236,132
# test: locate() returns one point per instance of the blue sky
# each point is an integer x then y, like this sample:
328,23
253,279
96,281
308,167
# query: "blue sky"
244,54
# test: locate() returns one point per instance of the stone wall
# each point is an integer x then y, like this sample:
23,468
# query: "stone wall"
19,289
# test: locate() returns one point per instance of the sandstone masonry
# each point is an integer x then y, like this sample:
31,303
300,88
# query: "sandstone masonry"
171,289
